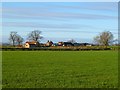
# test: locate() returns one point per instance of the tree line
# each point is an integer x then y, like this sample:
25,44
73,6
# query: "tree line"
104,38
15,38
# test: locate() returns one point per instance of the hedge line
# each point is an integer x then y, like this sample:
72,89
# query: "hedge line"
53,49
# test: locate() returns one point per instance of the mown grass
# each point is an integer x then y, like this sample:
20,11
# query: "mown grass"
0,69
60,69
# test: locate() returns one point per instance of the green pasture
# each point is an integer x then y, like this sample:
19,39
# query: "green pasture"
59,69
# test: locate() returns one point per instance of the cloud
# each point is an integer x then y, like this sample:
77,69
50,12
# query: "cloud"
66,28
51,26
22,14
39,25
104,6
98,6
56,11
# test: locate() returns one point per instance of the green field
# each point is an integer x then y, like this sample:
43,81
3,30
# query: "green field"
60,69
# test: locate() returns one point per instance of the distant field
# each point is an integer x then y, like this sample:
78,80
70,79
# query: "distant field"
65,69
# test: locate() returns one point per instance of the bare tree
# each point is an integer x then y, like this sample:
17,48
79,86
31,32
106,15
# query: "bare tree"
19,40
12,38
35,35
104,38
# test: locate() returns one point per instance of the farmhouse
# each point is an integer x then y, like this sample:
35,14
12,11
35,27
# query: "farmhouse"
49,43
60,43
31,44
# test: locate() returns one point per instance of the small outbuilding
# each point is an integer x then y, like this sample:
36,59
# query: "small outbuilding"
31,44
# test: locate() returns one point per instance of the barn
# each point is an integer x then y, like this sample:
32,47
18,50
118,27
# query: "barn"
31,44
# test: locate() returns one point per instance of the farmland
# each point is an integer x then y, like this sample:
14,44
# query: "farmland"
60,69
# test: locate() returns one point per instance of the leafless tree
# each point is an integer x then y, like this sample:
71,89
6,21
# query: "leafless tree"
19,40
13,37
104,38
35,35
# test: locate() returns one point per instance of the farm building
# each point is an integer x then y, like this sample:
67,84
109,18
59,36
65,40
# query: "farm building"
85,44
49,43
31,44
73,44
65,44
60,43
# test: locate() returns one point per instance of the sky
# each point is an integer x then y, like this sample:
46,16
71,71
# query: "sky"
59,21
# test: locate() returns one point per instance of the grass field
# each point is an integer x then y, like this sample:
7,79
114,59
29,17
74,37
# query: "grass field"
60,69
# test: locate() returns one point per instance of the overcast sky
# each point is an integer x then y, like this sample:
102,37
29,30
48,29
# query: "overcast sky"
60,21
